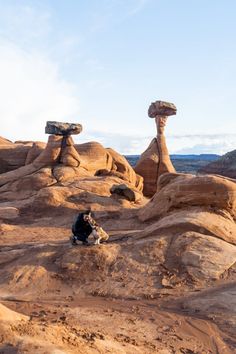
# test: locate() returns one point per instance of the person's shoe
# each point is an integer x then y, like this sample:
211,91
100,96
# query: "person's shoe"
73,240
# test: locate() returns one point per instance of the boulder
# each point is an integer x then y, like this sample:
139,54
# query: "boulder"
179,191
63,173
8,212
203,257
125,191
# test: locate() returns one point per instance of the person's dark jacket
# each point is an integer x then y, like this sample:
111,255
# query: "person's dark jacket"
81,228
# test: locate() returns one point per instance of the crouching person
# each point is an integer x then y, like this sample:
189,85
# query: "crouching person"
81,228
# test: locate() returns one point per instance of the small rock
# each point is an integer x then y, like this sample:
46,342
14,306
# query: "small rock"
166,283
125,191
9,212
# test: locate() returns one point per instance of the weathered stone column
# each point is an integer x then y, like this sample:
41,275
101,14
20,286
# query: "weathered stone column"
65,130
59,150
155,160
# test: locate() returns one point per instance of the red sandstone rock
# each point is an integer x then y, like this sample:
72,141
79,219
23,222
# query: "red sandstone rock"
177,191
12,156
197,214
34,152
121,165
150,167
4,141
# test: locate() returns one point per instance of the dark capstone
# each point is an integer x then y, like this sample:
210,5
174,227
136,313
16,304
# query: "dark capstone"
59,128
161,108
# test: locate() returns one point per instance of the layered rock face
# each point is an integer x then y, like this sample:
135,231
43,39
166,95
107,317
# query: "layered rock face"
224,166
197,215
12,156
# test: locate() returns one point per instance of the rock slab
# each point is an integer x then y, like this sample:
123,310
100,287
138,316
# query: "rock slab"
59,128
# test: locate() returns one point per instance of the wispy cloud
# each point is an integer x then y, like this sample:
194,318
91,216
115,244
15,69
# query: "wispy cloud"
32,92
24,24
180,144
114,12
32,88
137,5
205,143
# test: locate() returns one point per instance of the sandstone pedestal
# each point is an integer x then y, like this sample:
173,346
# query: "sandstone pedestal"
156,160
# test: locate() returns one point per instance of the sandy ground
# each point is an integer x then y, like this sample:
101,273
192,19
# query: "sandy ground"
64,319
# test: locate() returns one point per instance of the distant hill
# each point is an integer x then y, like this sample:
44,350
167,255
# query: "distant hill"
207,157
183,163
225,166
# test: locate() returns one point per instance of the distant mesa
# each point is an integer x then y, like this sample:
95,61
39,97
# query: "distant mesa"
224,166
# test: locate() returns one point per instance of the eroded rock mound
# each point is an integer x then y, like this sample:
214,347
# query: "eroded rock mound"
224,166
198,215
59,172
12,156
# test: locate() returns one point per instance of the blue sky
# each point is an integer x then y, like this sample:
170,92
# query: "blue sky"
102,62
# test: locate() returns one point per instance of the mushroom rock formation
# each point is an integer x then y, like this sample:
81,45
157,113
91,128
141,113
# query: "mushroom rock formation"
49,175
225,166
197,214
155,160
63,129
68,160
